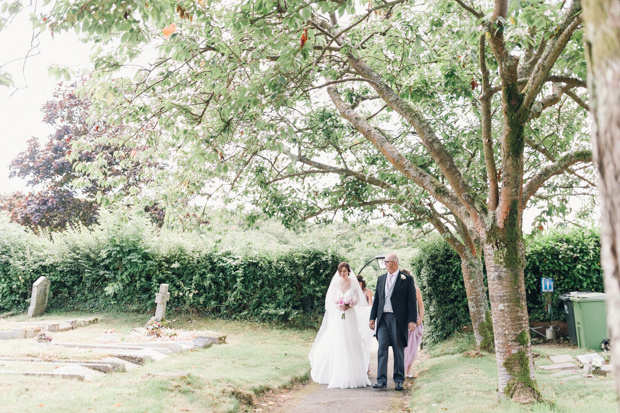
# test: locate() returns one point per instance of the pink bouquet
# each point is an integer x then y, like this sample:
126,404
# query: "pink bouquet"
344,301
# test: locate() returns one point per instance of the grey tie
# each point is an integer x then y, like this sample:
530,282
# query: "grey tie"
390,281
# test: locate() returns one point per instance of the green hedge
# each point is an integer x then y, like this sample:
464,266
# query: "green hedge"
570,257
120,264
437,271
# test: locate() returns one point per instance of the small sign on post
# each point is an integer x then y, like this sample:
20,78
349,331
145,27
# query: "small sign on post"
547,284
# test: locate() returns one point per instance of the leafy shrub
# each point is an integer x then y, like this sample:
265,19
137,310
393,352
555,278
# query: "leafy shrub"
437,271
570,257
121,262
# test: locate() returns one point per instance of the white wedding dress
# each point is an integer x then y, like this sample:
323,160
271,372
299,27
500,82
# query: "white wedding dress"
341,351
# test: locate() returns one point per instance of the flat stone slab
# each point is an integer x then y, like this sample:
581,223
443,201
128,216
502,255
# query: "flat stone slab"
589,358
160,349
127,364
73,376
154,355
102,366
565,373
203,342
131,358
88,373
19,333
565,358
65,327
561,366
173,346
135,356
29,329
170,374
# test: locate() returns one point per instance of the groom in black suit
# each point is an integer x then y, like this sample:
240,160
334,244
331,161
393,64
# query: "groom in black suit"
396,312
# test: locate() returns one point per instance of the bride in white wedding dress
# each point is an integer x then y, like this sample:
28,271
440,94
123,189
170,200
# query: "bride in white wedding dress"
341,351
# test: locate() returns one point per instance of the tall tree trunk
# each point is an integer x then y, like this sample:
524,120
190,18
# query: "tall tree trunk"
602,19
473,278
505,265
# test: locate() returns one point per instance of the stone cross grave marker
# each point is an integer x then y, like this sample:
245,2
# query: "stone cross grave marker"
38,301
161,299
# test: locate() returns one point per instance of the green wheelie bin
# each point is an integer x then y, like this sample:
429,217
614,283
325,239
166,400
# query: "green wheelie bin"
590,319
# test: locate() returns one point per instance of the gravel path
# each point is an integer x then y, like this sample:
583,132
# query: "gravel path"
315,398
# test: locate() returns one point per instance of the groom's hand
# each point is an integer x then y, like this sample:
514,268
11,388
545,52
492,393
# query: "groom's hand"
412,326
371,324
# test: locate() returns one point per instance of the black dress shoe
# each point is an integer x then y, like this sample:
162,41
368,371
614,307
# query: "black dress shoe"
399,386
380,386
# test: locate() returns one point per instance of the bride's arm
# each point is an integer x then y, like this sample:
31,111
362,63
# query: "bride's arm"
355,297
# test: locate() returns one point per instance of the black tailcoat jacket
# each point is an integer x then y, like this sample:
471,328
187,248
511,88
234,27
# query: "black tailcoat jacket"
403,301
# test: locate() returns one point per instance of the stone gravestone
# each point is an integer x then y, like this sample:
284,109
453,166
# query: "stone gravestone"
38,301
589,358
203,342
564,358
161,299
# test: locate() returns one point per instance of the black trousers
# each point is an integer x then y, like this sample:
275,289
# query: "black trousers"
387,336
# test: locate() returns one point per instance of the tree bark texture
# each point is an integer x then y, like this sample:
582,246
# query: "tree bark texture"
473,277
602,19
510,323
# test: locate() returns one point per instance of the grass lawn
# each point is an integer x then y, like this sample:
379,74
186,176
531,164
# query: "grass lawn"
222,378
454,383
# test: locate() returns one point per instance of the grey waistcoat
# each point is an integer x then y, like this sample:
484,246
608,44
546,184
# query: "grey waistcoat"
387,308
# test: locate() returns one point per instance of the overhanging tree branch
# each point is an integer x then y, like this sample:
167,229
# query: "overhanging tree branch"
424,129
476,13
439,191
341,171
577,99
568,80
542,69
353,205
554,169
487,136
465,195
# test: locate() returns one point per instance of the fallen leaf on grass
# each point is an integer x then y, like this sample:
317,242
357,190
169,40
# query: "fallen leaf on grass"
118,405
40,405
270,403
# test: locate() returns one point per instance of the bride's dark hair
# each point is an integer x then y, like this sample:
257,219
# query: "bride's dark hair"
360,279
344,265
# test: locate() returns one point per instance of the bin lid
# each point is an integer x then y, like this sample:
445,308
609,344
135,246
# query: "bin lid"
567,296
587,296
